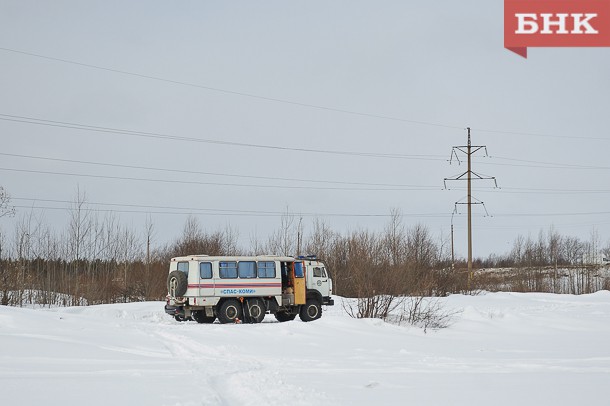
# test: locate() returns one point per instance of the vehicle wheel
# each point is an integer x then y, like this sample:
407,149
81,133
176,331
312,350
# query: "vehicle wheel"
283,316
254,310
200,317
180,317
229,311
177,283
311,311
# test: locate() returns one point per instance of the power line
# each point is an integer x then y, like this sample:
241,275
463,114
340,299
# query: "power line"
158,209
211,211
77,126
543,191
147,211
564,214
232,92
509,190
547,165
213,183
287,101
530,134
424,157
209,173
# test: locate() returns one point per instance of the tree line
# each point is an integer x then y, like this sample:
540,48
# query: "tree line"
96,259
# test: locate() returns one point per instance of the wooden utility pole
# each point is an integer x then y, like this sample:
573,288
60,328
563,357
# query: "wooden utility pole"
469,150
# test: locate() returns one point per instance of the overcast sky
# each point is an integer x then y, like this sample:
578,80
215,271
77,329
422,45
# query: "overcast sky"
200,90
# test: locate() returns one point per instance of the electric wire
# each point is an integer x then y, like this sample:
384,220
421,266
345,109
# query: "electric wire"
424,157
547,165
393,186
232,92
77,126
291,102
148,168
297,213
213,211
214,183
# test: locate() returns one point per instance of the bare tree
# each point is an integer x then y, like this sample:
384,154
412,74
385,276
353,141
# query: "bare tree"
229,240
195,241
256,248
368,278
554,246
146,278
130,250
5,210
4,273
517,250
573,250
149,233
79,228
5,203
320,242
285,240
554,249
394,240
421,249
593,248
24,235
606,252
192,236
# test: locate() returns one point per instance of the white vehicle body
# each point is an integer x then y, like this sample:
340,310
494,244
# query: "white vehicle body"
236,288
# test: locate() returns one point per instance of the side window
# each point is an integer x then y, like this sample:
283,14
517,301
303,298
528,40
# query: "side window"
227,270
324,272
266,269
247,269
317,272
298,270
184,267
205,270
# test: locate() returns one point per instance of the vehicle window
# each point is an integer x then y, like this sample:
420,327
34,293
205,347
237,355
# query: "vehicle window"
184,267
205,270
298,269
266,269
324,272
227,270
247,269
317,272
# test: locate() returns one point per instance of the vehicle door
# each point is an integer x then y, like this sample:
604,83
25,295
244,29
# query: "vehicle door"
318,279
206,279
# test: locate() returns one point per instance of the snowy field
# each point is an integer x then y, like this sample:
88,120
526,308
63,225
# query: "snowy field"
502,349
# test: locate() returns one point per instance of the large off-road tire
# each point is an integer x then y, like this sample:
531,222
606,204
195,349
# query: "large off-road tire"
229,311
254,310
283,316
177,283
312,310
200,317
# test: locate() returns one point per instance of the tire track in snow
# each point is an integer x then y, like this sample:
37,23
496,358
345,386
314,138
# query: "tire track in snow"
229,379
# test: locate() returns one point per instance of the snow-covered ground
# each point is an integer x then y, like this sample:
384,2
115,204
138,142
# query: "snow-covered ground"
502,349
